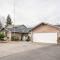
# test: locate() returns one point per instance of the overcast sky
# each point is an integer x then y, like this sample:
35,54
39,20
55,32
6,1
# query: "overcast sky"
31,12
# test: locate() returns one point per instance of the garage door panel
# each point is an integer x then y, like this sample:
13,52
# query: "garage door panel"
45,37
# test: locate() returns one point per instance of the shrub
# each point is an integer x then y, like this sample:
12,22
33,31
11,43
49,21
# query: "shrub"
28,39
58,39
15,38
2,36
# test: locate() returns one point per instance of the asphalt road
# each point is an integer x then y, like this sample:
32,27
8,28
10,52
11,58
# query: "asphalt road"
44,53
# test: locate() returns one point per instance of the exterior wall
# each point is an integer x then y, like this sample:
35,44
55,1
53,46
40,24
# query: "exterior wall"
24,36
20,36
31,36
45,29
17,35
9,36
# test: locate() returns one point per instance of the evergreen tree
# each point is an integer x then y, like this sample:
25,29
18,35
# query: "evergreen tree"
0,25
8,22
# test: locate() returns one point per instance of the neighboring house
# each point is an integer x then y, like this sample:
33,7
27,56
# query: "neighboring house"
20,31
45,33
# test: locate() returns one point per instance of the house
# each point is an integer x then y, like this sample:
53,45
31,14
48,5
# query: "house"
19,31
45,33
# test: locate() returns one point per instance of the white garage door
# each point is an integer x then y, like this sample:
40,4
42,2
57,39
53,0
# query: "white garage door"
45,37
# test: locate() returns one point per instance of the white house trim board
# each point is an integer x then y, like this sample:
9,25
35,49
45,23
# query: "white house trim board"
45,37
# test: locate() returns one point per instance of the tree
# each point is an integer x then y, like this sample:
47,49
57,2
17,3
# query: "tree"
0,25
8,22
2,36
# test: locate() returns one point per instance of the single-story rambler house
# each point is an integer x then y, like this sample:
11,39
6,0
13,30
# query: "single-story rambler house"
45,33
19,31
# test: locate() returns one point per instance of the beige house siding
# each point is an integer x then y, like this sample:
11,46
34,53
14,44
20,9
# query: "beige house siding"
17,35
46,29
43,29
9,36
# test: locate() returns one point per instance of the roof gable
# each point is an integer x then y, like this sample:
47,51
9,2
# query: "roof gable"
45,24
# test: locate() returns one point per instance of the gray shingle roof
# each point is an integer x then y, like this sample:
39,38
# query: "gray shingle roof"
57,26
19,29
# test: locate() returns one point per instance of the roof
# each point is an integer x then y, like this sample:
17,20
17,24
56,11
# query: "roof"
57,26
19,29
43,24
10,26
3,29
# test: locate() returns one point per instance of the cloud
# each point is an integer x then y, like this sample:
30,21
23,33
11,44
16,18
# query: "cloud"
32,12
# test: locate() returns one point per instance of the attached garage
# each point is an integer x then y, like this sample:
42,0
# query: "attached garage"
45,33
45,37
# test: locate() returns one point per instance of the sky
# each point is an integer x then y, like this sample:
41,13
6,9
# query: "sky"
31,12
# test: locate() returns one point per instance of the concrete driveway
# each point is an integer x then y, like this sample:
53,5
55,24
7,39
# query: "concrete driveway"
17,47
43,53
